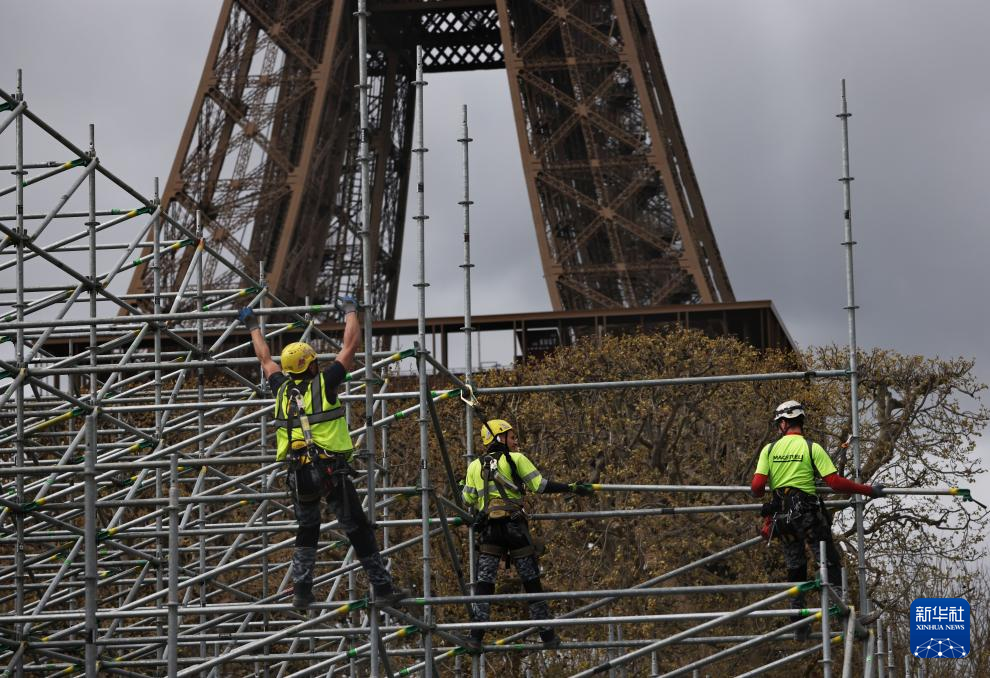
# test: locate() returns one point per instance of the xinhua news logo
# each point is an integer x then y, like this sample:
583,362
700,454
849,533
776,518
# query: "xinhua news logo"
940,628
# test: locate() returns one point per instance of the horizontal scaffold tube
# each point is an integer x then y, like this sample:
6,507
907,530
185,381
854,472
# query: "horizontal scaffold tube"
226,609
766,668
755,609
146,637
125,321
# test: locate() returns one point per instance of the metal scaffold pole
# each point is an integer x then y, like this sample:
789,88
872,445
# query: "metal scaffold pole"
826,635
365,159
92,429
466,202
161,545
421,363
19,356
848,243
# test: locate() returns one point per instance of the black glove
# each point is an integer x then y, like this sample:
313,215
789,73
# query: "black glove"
347,304
248,317
876,489
582,489
553,487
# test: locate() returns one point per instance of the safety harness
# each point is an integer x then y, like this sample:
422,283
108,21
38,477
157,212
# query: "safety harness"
794,498
505,508
311,469
318,415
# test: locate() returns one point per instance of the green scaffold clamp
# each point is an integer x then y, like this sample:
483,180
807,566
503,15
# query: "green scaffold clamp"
965,495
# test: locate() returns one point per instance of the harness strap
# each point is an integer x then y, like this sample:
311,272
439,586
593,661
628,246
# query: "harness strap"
492,550
514,471
528,550
327,415
491,475
318,415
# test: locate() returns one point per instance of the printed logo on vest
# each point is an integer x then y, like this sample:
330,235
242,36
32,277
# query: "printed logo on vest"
940,628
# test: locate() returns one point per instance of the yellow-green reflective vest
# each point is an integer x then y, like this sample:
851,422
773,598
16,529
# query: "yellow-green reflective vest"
478,494
327,425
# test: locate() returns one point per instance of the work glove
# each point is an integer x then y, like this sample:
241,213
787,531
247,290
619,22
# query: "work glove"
582,489
347,304
876,489
248,317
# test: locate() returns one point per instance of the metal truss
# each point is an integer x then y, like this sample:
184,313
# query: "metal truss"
269,151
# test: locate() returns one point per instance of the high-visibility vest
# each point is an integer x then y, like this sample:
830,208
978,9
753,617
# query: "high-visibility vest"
480,492
327,425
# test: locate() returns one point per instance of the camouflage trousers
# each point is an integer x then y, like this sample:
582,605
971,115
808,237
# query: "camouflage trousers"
509,535
345,504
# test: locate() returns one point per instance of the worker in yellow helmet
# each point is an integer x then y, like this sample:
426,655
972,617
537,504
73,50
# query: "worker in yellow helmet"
494,489
311,435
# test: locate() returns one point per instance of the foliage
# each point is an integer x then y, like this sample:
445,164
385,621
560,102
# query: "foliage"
919,421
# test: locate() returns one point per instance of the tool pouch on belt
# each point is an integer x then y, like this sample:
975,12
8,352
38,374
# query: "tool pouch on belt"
308,476
798,512
768,513
313,472
504,509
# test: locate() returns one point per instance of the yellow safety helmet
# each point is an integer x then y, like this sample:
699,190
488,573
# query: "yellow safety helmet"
493,428
297,356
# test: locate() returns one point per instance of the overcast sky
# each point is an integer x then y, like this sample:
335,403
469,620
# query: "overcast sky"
756,85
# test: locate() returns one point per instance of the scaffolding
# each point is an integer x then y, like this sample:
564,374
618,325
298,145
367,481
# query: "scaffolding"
144,521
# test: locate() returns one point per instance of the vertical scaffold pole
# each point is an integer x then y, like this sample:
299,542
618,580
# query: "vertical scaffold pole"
890,650
424,395
173,562
267,483
847,654
92,422
466,203
869,657
364,159
848,243
826,634
19,357
156,277
881,652
201,419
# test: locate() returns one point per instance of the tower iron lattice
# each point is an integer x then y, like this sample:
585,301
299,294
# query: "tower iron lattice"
270,151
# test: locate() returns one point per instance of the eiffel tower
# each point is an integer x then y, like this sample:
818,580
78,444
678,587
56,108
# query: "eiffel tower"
269,151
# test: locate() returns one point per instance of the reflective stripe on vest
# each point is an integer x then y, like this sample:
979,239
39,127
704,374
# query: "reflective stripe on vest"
315,398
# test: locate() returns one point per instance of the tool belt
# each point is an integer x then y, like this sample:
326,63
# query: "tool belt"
503,509
495,536
313,471
791,510
536,547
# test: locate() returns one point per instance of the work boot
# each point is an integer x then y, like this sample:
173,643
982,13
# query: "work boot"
386,593
302,595
389,595
551,641
475,642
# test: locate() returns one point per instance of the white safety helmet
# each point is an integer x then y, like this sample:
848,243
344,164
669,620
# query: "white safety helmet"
790,409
